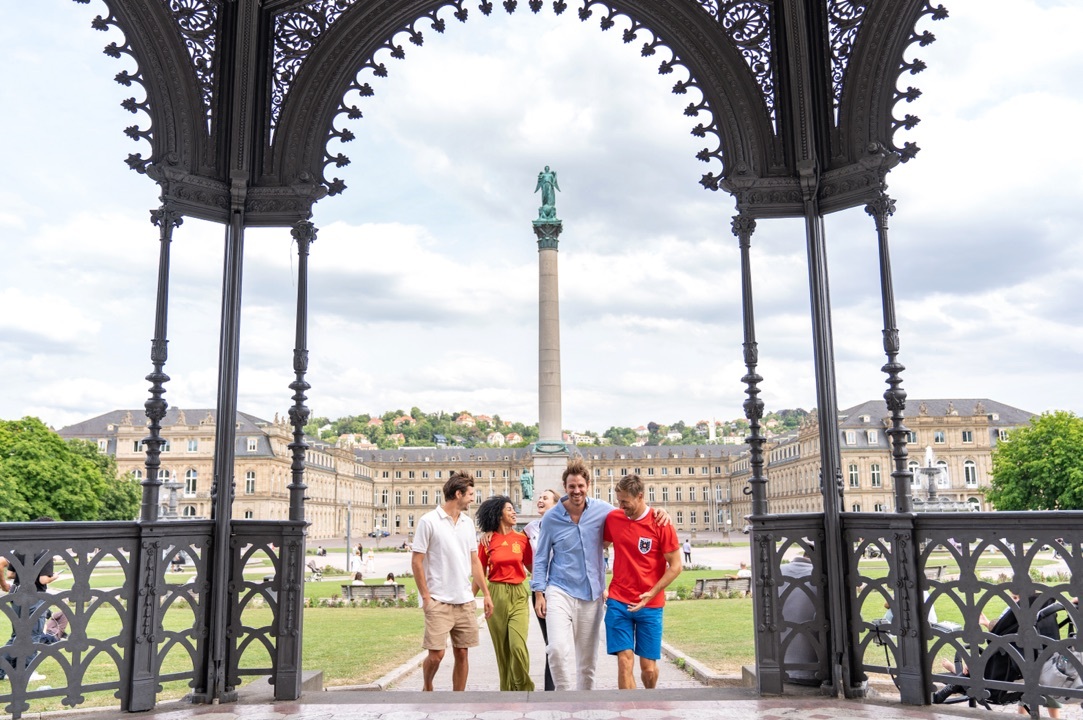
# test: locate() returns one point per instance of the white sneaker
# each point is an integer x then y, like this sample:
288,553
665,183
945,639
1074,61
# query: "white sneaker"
36,677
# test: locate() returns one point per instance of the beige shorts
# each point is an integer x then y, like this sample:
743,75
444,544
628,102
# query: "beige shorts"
460,621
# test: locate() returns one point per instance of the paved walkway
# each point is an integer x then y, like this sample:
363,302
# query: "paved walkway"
485,676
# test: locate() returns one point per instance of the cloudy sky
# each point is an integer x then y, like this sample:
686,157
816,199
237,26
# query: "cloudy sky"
424,275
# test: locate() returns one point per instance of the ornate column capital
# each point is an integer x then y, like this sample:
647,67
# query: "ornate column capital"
743,227
881,209
304,232
548,233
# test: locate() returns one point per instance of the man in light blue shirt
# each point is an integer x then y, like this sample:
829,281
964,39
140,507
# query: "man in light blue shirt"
569,579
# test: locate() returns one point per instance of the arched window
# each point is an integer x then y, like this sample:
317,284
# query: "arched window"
189,511
855,478
191,484
874,475
974,503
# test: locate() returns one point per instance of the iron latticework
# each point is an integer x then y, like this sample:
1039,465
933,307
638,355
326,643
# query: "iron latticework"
244,111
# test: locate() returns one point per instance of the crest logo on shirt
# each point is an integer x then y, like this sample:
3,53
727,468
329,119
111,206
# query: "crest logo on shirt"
645,545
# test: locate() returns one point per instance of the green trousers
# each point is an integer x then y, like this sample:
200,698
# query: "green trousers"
508,627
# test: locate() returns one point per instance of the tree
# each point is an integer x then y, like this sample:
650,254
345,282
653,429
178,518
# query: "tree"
120,495
52,478
1040,466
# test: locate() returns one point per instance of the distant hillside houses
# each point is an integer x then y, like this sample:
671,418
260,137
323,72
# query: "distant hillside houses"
701,486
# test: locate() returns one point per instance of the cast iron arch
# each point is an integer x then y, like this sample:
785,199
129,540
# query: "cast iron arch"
783,84
737,113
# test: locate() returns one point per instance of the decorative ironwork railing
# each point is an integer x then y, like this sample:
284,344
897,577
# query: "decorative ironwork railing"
135,599
926,592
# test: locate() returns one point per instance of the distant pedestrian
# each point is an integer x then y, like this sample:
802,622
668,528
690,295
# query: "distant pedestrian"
687,548
445,558
646,559
546,500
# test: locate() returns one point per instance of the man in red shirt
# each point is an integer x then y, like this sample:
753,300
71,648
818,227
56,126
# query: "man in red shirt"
646,559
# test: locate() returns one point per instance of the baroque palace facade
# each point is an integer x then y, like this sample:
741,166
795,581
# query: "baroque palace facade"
700,485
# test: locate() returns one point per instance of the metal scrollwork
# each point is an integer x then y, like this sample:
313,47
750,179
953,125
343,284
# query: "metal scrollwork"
748,24
908,149
296,33
197,20
844,21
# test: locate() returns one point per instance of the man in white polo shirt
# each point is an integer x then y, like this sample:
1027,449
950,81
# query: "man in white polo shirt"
444,561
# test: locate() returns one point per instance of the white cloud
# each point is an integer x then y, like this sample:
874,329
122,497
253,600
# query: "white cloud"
423,277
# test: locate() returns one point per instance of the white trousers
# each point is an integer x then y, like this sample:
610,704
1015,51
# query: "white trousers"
574,628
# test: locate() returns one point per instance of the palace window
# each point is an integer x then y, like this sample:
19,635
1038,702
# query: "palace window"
253,444
855,477
874,473
650,494
970,473
872,436
191,482
851,437
424,497
193,445
691,493
250,482
248,515
137,446
398,497
691,517
878,507
968,436
856,507
1002,434
680,518
410,499
650,471
665,493
939,437
678,495
665,471
189,511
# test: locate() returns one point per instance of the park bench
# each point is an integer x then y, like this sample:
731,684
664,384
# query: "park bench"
722,586
935,572
373,592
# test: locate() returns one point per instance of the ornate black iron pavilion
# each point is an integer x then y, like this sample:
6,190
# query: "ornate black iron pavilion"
248,106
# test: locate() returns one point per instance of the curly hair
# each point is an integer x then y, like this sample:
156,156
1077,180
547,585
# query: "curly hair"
490,513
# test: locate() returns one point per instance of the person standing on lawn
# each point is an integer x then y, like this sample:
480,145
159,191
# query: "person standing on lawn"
646,559
507,558
444,560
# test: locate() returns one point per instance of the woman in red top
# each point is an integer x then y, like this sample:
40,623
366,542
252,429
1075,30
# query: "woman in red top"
506,560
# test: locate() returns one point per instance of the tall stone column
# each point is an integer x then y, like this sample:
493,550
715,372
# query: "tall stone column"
550,454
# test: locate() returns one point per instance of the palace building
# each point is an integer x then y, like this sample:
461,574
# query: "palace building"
701,486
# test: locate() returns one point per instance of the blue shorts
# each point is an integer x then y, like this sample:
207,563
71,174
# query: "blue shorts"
640,631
